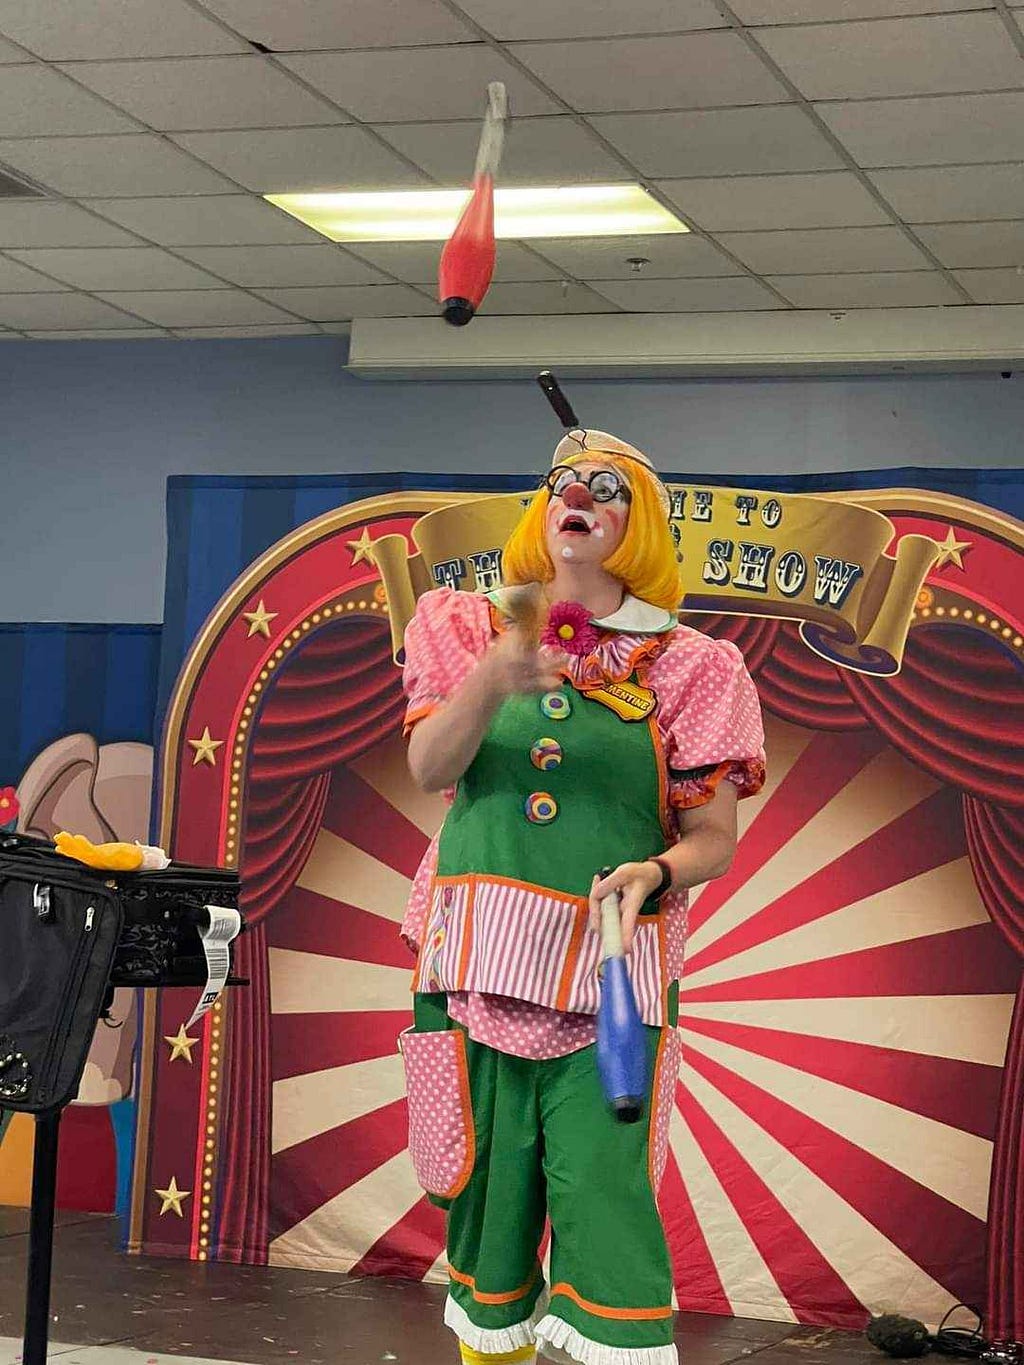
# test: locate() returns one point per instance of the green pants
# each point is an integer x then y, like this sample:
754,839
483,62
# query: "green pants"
548,1147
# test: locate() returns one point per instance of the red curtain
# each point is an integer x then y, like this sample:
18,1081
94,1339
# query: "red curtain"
338,696
995,837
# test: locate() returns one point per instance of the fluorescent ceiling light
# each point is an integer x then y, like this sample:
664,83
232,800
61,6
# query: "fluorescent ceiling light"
519,213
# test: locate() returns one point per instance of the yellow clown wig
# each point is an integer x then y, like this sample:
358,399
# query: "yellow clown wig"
645,563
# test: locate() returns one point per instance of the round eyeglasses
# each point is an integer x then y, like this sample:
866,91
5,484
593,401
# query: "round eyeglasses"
604,484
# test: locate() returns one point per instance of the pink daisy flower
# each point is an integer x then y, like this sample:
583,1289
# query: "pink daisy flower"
570,628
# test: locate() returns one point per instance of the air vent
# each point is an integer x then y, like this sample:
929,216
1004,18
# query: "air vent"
12,187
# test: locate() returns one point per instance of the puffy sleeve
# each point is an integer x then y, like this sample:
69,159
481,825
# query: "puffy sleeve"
710,720
443,641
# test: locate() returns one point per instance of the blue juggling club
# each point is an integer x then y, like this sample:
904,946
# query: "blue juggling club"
621,1046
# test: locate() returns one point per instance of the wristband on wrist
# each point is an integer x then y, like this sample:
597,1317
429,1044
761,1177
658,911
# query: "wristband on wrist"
666,878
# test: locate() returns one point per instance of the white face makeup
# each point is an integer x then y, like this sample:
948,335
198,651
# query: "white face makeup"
580,530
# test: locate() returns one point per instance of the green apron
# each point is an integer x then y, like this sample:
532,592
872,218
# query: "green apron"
606,792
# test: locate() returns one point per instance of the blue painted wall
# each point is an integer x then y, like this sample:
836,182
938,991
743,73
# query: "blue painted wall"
90,431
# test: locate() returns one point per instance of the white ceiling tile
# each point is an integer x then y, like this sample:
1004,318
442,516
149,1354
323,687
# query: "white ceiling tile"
117,268
197,307
62,30
719,142
670,256
937,131
357,301
286,329
739,293
901,289
752,202
52,224
38,102
817,11
10,53
541,151
278,160
205,92
993,286
823,250
543,298
98,166
58,312
101,334
301,26
976,244
207,220
954,192
934,55
410,83
690,71
417,262
283,267
510,19
17,278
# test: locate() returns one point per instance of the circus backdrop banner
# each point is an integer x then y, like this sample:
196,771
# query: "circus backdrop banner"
847,1134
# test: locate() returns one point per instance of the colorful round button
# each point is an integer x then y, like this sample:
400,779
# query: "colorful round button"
546,754
540,808
555,705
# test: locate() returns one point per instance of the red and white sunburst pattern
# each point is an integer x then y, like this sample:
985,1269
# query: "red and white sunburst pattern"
844,1016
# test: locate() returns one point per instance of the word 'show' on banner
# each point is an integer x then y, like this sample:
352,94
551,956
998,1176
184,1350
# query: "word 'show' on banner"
821,560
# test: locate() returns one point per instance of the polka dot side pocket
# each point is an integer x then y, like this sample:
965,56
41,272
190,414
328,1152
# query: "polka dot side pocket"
442,1142
663,1101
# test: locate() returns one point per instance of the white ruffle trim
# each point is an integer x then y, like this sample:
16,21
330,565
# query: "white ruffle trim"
558,1341
492,1341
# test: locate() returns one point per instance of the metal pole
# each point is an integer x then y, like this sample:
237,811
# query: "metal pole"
40,1239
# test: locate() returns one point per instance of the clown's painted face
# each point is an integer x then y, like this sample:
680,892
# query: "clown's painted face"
588,512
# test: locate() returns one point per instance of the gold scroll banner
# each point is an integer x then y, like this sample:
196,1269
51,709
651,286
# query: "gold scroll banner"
825,562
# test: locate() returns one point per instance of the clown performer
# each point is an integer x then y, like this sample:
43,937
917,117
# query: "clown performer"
607,735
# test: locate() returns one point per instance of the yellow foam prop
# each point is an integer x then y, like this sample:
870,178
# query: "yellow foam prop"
108,857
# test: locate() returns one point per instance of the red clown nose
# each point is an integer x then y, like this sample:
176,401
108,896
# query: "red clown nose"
467,262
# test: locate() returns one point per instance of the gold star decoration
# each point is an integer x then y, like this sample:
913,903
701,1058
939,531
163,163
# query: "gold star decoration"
361,548
181,1044
951,550
259,620
172,1198
205,748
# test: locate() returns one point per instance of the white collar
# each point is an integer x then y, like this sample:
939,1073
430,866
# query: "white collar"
633,617
637,617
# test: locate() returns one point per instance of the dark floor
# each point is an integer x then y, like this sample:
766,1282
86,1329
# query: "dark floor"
261,1316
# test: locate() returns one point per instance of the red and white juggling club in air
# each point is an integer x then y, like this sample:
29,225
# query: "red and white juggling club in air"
467,261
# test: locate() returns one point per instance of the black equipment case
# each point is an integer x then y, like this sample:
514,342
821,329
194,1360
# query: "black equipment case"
68,935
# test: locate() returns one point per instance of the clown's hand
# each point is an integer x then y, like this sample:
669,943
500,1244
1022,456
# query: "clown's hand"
634,882
108,857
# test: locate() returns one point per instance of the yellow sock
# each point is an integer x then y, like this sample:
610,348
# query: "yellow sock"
523,1353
